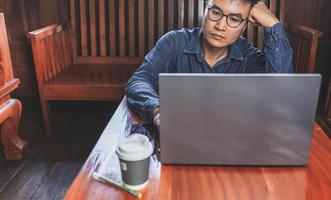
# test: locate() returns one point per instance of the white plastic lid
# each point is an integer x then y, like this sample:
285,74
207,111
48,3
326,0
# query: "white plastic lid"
135,147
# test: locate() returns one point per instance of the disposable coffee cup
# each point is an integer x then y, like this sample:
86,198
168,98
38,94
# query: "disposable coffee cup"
134,155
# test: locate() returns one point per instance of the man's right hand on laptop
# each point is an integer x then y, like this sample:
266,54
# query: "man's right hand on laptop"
156,118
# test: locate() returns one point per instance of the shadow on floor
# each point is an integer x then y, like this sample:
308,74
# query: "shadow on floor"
51,165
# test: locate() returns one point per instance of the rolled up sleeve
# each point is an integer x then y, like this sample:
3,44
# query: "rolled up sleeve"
142,88
277,50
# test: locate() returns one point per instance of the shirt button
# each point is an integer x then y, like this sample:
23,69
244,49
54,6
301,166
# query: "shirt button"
277,49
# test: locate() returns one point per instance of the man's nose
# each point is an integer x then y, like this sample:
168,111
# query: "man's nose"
221,24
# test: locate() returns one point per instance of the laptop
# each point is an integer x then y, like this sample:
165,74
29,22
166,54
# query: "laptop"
237,119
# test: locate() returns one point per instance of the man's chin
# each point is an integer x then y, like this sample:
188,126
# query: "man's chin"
213,43
218,45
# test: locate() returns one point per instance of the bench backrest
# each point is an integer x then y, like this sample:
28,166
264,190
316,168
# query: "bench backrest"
52,51
129,28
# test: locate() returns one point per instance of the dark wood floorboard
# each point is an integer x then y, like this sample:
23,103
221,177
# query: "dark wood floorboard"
51,166
10,169
62,173
32,175
31,130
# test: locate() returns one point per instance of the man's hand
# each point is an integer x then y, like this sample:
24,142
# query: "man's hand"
156,118
260,14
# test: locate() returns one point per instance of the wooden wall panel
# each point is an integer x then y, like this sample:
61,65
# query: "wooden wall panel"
312,13
22,16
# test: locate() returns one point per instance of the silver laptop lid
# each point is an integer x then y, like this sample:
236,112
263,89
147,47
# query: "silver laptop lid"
237,119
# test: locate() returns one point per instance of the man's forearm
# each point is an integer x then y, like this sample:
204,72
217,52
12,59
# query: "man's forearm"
142,98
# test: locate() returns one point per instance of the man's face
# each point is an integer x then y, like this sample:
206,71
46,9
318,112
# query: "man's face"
219,34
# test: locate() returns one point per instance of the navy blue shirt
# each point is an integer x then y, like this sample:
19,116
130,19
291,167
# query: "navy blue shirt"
180,52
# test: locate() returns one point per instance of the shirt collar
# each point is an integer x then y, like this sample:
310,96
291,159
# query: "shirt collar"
193,47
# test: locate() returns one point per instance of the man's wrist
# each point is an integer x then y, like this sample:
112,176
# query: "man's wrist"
156,117
271,23
275,32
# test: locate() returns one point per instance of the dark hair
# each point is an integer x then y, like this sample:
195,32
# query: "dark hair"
252,2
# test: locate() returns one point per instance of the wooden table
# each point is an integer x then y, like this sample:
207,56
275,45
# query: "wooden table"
204,182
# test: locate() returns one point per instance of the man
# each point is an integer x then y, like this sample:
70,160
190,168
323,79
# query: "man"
215,48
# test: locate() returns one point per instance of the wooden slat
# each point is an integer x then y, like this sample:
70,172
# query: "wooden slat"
131,30
150,24
61,55
141,16
121,8
56,48
170,15
300,60
297,59
65,50
38,58
73,29
46,59
160,18
282,11
180,14
190,14
273,6
51,57
200,14
250,32
93,41
69,47
306,56
41,63
112,27
260,38
83,28
102,28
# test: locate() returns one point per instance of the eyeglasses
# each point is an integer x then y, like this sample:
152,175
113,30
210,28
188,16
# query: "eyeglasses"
216,14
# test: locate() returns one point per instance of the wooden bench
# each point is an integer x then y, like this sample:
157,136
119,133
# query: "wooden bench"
92,57
10,109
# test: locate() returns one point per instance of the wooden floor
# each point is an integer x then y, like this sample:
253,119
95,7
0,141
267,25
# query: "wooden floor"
51,166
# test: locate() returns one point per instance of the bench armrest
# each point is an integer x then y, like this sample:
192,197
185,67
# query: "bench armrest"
305,31
46,31
304,41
